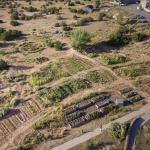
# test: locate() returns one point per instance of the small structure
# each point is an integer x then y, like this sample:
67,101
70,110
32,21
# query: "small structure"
119,102
88,8
130,94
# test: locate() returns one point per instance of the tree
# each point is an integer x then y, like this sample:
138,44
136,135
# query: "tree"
3,65
79,39
118,131
97,3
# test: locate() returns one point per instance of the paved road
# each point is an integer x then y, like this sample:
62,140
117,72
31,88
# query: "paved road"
133,10
76,141
134,130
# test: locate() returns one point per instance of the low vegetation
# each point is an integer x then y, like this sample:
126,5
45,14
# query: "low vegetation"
3,65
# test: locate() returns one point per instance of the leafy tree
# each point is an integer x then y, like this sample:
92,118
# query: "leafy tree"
118,131
79,39
97,3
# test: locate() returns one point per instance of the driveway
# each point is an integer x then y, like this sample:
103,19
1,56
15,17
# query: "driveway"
132,9
78,140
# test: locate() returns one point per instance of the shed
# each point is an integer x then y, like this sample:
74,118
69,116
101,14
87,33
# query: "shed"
119,102
88,8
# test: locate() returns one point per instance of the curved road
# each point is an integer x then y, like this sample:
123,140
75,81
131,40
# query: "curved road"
134,129
144,111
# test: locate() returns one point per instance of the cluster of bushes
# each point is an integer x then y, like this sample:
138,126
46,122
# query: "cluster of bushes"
20,16
41,59
101,16
49,95
55,44
3,65
123,36
114,59
118,131
52,10
9,35
31,9
77,11
14,23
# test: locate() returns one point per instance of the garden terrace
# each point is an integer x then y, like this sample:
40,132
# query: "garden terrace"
58,69
100,76
53,95
93,115
133,70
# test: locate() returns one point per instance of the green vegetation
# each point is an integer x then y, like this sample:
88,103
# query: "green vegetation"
50,95
52,71
57,44
102,76
138,36
79,39
133,70
84,21
14,23
3,65
113,59
9,35
58,69
3,112
118,131
101,16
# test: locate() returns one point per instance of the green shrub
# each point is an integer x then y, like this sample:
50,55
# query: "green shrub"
101,16
3,65
138,36
84,21
14,23
114,59
79,39
118,131
10,35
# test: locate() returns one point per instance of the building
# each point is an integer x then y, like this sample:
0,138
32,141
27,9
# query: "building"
119,102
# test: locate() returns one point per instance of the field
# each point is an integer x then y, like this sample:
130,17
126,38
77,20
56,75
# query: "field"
62,69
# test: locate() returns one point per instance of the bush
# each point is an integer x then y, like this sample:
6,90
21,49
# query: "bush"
84,21
138,36
3,65
79,39
101,16
118,131
9,35
3,112
114,59
14,23
15,15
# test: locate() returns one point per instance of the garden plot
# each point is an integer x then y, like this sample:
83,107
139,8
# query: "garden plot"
25,112
58,69
133,70
79,114
48,96
131,95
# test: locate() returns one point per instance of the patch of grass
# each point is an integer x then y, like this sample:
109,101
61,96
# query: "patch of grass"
74,65
133,70
113,59
102,76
